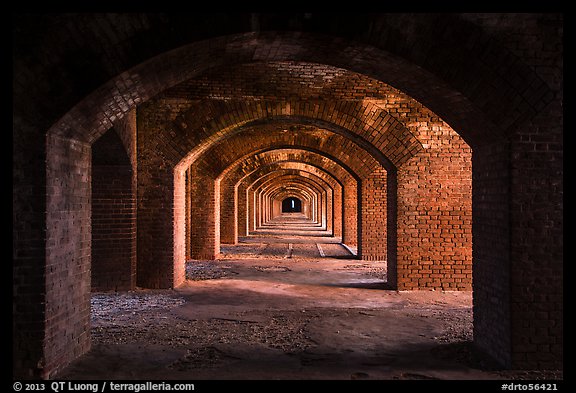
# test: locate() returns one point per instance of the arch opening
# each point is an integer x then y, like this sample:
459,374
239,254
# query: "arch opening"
500,197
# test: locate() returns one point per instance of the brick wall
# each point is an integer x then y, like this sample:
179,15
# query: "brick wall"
29,253
350,213
536,251
435,215
113,216
495,78
491,251
155,207
373,236
68,238
228,213
204,213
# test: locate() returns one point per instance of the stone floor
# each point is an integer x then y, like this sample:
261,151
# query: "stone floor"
279,306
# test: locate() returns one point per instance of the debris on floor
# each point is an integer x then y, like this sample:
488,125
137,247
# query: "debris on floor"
303,318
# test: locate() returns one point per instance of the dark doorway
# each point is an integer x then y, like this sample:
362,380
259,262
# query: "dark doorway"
291,205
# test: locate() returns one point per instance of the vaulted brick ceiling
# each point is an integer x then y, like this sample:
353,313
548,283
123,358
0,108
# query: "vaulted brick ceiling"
389,106
226,115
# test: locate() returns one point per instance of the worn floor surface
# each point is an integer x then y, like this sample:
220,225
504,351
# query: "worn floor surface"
284,308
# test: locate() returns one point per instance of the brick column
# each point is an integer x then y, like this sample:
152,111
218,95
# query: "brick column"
434,242
491,228
276,208
205,216
228,212
68,240
180,217
113,216
155,214
350,213
251,206
242,210
29,253
536,242
188,223
155,218
329,211
374,217
337,211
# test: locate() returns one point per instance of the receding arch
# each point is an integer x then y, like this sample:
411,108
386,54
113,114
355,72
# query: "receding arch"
233,194
462,108
211,251
343,184
284,184
217,167
275,181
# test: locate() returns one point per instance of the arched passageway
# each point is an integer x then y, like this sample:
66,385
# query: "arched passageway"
291,205
438,129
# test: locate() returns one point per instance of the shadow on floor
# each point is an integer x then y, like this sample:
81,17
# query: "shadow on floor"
362,285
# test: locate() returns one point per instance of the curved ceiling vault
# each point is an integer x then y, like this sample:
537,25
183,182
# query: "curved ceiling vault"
290,166
392,104
415,75
213,108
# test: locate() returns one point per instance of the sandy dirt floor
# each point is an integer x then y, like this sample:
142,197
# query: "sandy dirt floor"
276,309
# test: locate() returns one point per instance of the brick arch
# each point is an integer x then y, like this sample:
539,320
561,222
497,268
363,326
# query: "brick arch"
291,83
299,177
347,175
341,181
291,164
281,205
408,73
233,193
328,214
384,138
207,166
160,166
382,204
264,182
346,186
257,161
220,157
302,190
420,58
282,181
215,121
204,236
334,190
144,251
